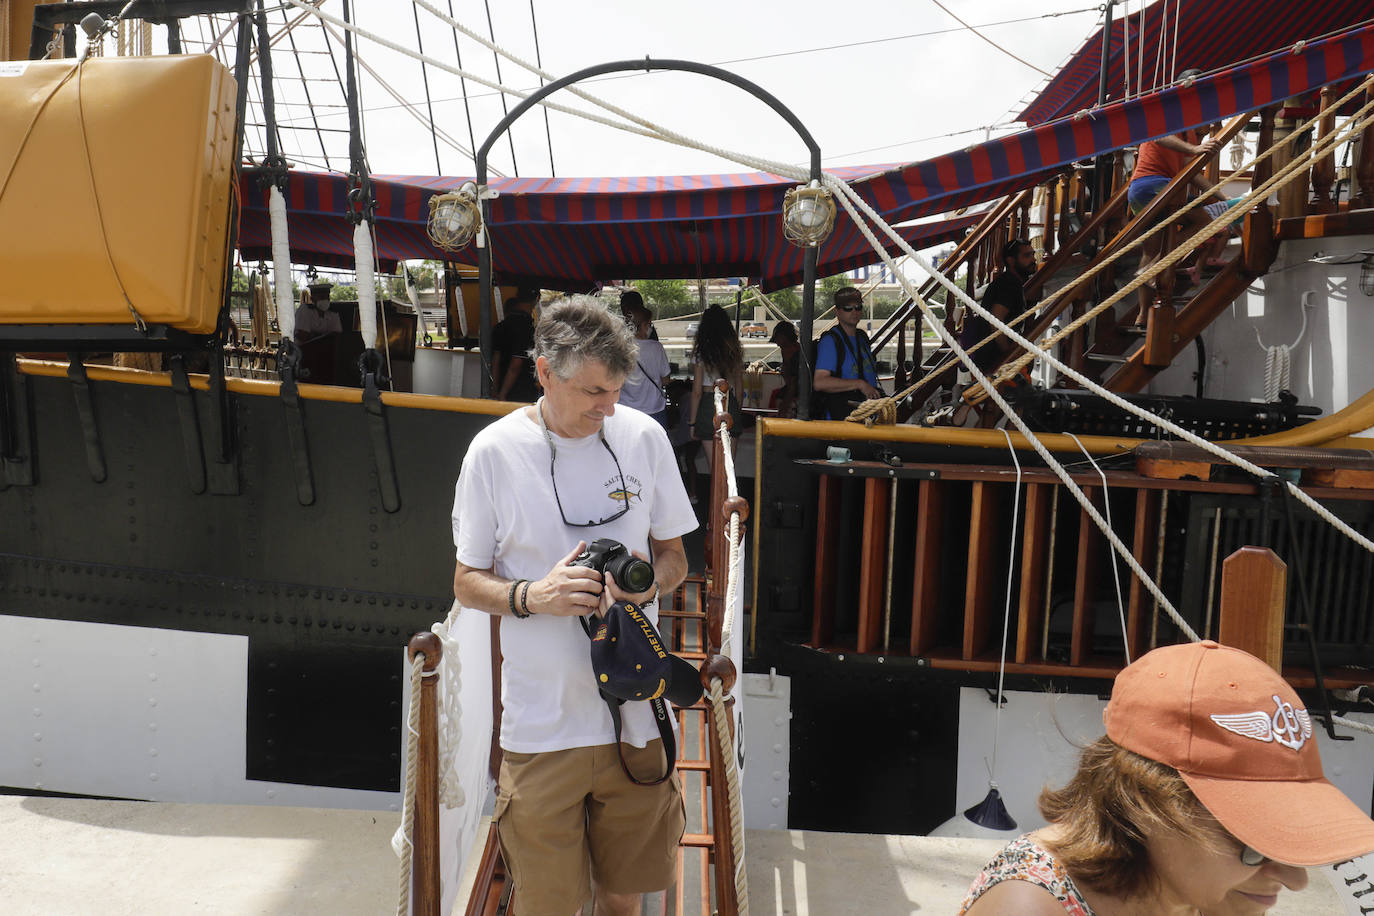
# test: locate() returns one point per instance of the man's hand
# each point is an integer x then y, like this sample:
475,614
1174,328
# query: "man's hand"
567,591
1207,147
868,390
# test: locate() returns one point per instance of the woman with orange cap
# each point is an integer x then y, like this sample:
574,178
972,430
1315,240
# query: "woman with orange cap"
1206,796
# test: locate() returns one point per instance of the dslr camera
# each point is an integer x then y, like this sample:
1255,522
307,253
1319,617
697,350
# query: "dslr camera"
606,555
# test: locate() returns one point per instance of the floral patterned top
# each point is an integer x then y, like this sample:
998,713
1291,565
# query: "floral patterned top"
1023,859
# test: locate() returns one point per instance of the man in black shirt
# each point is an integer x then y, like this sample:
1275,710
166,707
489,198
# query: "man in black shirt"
513,340
1005,298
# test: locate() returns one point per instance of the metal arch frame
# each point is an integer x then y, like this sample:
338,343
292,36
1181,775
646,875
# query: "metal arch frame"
647,64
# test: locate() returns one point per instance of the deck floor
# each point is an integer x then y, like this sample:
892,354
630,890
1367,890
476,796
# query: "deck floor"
77,856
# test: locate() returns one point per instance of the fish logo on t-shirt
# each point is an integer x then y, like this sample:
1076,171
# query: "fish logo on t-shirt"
624,496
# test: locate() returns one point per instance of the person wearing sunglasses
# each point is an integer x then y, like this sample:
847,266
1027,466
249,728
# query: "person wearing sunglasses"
1005,298
846,373
1204,798
535,487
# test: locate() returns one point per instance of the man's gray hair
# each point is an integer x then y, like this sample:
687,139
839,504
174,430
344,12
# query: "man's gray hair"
578,328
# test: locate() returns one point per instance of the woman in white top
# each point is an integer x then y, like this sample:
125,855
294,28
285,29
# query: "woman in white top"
643,389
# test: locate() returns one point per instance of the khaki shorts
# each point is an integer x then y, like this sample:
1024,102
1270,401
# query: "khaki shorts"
568,818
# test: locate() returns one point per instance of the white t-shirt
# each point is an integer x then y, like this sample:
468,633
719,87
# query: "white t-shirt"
505,519
644,392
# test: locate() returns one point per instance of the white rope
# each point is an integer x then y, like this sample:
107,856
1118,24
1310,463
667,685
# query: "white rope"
1006,610
1162,224
1293,170
364,267
281,263
845,193
451,793
649,129
1278,360
414,112
727,629
1116,573
727,752
1277,371
458,71
403,841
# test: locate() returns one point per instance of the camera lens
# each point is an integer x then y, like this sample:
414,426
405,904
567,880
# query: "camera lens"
632,573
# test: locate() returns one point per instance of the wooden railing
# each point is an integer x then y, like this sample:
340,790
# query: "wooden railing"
932,590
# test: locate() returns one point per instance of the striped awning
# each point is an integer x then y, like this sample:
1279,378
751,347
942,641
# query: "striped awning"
1205,35
1008,164
573,233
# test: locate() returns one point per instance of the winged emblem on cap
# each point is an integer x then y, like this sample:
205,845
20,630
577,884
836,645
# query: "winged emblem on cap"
1287,726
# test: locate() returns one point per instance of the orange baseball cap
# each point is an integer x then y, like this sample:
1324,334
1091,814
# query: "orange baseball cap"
1242,741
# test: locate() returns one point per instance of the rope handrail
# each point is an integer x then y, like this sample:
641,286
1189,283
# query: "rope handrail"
1289,173
852,203
1189,206
403,842
719,714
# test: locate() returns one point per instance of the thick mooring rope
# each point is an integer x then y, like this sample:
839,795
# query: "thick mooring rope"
719,714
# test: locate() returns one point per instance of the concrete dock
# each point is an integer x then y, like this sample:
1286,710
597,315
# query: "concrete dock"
73,857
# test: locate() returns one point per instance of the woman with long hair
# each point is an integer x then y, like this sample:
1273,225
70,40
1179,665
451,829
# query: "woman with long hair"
1204,798
716,354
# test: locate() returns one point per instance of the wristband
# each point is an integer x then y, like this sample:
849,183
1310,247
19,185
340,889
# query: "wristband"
510,599
524,596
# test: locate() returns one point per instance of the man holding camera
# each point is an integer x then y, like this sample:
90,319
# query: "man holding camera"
536,487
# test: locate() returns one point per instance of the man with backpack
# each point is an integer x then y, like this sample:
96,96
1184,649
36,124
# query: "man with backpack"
846,373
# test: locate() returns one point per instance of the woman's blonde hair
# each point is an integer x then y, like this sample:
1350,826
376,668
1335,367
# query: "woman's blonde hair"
1115,800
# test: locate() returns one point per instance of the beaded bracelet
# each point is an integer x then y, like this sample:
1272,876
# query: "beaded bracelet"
510,599
524,599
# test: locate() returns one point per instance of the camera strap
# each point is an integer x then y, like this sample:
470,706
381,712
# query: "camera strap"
663,717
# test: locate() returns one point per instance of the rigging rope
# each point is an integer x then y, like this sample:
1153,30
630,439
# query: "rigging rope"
1162,224
1006,608
539,61
1294,170
846,193
1021,60
505,110
1116,574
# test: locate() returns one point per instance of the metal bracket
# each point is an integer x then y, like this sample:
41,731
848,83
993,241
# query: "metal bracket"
385,464
16,426
85,412
223,468
190,424
288,363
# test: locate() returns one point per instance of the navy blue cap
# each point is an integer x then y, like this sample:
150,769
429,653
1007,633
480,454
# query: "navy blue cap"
632,663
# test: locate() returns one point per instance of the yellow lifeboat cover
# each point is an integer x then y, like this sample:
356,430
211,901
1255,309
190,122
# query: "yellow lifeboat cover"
158,156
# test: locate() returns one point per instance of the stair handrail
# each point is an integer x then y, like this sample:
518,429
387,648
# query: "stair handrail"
1288,173
888,329
729,511
940,375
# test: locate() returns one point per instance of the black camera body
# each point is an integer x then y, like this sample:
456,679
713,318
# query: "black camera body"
606,555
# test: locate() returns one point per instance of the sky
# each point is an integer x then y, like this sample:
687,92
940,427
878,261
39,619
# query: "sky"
893,94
